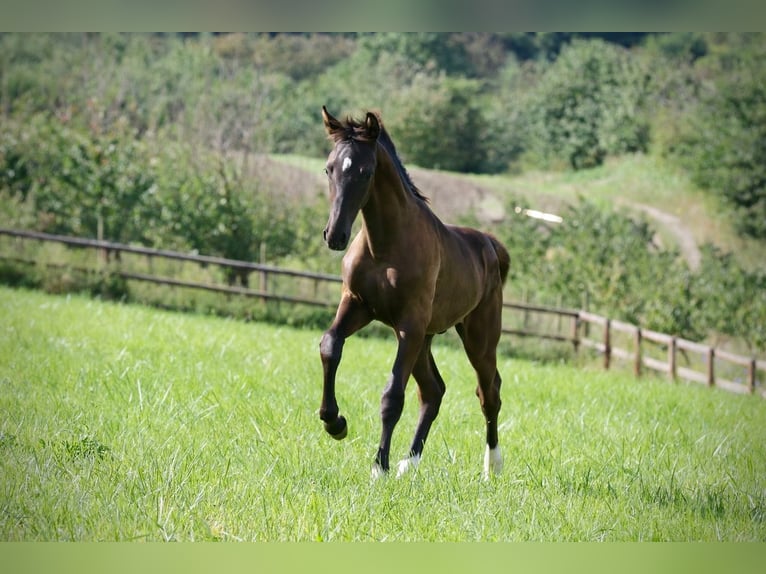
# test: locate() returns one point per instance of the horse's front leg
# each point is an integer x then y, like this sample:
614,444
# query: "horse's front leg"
392,400
350,317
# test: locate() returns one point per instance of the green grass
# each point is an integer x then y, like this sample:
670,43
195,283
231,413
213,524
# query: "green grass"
120,422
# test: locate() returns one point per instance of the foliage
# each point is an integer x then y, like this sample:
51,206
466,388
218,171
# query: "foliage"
422,49
262,92
149,138
299,56
91,186
588,104
679,47
723,140
458,143
610,259
609,263
123,189
733,301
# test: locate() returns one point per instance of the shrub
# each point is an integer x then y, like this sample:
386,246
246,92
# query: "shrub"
438,124
90,185
731,299
587,105
721,141
604,261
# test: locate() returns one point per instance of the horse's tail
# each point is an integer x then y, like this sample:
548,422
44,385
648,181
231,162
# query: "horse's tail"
503,258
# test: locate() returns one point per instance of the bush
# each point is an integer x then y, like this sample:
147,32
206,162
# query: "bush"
588,104
210,207
438,124
721,141
609,263
731,300
611,259
124,189
606,262
83,184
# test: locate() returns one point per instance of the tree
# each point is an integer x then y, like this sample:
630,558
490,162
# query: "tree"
723,139
83,184
587,105
438,124
436,51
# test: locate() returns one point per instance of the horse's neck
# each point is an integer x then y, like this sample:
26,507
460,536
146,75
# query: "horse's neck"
389,209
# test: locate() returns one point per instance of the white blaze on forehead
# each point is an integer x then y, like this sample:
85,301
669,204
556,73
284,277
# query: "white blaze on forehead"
346,164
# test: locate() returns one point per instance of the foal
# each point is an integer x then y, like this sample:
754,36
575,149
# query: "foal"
408,270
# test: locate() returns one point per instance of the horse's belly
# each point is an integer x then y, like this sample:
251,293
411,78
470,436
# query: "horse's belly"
394,295
450,307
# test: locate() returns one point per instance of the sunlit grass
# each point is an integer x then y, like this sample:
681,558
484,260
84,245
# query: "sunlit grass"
312,165
125,423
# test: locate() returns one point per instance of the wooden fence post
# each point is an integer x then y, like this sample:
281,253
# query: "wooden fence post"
103,254
751,376
576,333
607,343
637,361
525,300
672,346
264,286
711,367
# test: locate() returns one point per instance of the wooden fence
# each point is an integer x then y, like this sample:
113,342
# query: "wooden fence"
264,272
642,348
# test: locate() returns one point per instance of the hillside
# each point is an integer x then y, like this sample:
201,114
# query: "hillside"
464,102
683,216
128,137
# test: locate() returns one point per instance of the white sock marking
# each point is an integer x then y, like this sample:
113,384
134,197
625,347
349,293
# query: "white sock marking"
407,465
377,471
493,461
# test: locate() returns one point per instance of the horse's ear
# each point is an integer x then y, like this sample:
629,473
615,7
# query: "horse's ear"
372,125
330,123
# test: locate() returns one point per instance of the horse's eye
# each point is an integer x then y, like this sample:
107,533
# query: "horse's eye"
327,172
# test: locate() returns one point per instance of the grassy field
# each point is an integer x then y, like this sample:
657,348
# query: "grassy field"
126,423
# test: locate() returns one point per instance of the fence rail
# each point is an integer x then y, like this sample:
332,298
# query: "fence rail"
647,349
671,347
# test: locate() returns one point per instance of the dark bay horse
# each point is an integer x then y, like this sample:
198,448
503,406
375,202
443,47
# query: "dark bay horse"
413,273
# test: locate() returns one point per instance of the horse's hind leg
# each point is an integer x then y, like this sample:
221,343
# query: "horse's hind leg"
480,333
430,392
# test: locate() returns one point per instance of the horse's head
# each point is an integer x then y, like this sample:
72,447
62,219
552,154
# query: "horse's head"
350,168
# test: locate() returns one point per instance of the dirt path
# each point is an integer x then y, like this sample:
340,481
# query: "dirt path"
686,242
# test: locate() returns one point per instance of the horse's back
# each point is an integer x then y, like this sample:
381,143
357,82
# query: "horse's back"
488,253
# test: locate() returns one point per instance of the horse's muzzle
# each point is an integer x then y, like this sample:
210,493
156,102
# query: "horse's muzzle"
336,241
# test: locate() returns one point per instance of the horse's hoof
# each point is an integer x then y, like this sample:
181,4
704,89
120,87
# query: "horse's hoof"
407,465
377,472
338,429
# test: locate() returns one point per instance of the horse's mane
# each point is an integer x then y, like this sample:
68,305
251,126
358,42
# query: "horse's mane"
354,129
